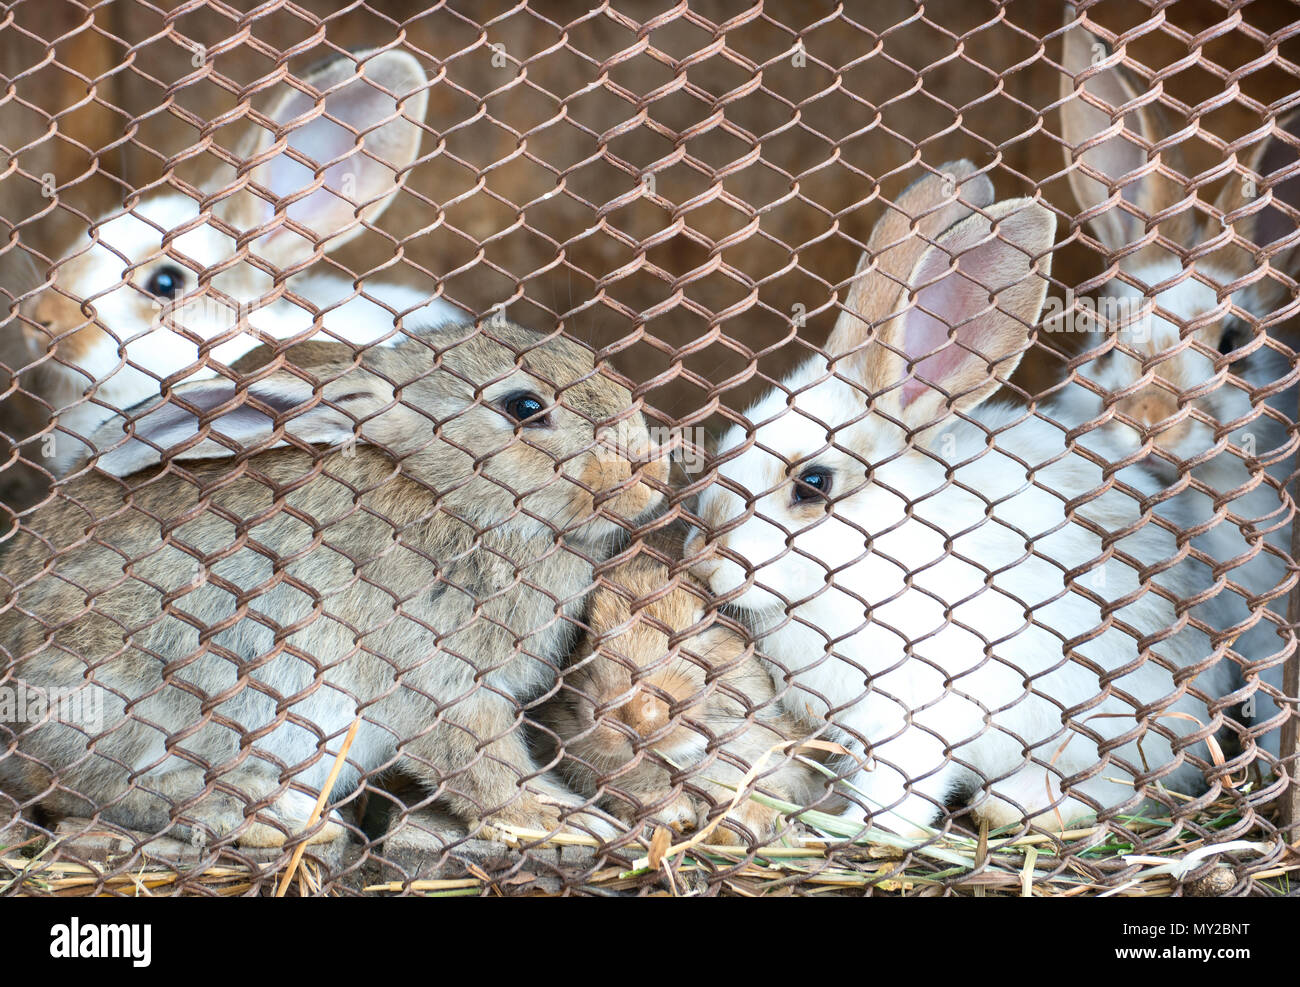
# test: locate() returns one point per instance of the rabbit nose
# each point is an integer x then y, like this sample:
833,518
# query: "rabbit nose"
1155,414
656,469
655,463
33,311
650,468
645,712
50,310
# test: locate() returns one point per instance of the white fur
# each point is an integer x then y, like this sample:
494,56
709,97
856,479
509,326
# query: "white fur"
1254,519
853,613
1166,376
963,605
147,341
156,351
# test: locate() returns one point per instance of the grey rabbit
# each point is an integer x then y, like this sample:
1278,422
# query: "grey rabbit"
241,604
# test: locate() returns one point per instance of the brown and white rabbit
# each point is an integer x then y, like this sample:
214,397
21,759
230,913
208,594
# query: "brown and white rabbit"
158,288
665,705
940,576
1191,384
425,572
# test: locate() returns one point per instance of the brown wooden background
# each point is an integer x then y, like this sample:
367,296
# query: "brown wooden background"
767,174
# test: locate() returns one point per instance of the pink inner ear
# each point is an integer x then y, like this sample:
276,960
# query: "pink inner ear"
359,178
930,343
322,141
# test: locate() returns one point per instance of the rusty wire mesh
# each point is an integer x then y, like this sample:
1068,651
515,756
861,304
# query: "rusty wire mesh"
620,429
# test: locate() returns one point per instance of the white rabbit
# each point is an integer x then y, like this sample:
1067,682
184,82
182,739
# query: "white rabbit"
157,290
907,556
1190,384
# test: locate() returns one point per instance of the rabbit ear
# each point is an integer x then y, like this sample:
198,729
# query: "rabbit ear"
359,118
978,292
1276,160
1093,88
909,226
220,418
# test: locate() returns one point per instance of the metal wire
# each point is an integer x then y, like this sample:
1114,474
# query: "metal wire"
586,402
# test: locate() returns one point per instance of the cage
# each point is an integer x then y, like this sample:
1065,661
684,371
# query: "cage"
712,448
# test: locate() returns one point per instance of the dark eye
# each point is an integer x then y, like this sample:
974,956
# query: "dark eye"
166,282
527,409
1230,339
812,484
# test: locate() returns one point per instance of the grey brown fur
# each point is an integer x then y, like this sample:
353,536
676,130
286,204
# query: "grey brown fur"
241,616
666,708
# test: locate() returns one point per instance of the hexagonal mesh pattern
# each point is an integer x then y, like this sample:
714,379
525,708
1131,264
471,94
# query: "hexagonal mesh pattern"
733,448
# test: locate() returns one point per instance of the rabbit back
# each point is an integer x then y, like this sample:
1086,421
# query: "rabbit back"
370,612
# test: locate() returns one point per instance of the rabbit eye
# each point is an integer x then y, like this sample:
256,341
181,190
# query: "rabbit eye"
166,282
1230,339
812,484
527,409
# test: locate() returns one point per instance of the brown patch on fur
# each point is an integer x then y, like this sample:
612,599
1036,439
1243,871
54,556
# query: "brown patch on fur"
606,472
1151,407
63,325
659,673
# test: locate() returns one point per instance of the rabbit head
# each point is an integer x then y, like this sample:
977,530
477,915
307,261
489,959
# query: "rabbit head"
503,425
157,288
649,668
1186,343
839,449
665,709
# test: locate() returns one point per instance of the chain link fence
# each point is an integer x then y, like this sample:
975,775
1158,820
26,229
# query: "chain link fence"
728,448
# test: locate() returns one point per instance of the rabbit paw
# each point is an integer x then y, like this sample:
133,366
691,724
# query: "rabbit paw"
679,814
760,820
892,822
543,814
271,827
527,812
290,814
